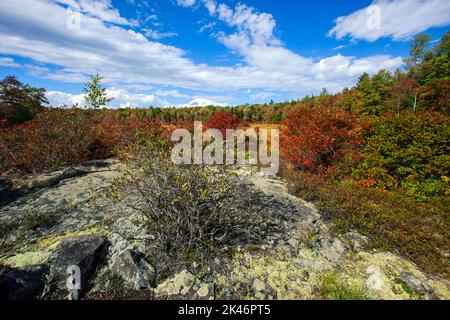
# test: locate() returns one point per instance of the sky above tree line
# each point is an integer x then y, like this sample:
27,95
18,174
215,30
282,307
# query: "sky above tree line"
179,52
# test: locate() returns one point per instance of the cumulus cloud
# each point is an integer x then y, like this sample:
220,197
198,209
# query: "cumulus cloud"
122,99
397,19
59,99
339,66
102,9
256,41
102,44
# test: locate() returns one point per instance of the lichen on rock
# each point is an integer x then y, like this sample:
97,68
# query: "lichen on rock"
298,257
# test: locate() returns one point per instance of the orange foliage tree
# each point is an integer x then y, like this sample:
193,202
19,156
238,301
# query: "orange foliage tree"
318,139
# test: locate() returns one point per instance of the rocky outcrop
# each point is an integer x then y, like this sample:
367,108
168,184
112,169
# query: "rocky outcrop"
72,218
58,222
185,285
22,284
13,187
83,252
136,272
263,291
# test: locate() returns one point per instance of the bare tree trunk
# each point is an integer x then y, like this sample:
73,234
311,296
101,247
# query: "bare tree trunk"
415,101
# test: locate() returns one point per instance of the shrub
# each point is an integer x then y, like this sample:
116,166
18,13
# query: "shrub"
193,212
410,152
223,121
318,139
392,221
61,137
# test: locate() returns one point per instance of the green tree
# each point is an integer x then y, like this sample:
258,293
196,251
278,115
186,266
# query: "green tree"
443,48
417,50
95,93
437,65
369,99
276,118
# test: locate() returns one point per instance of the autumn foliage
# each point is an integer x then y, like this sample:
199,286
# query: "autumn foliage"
318,139
436,95
223,121
58,138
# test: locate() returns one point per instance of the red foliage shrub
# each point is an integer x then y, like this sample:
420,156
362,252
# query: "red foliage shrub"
110,133
185,124
318,139
57,138
223,121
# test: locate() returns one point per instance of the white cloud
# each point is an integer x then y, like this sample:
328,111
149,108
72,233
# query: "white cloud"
194,100
122,99
8,62
36,71
151,17
127,58
398,19
342,66
261,96
154,34
33,70
207,26
102,9
256,42
125,99
59,99
172,93
340,47
186,3
138,87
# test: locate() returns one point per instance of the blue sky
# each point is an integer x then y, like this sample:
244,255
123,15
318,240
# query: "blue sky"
180,52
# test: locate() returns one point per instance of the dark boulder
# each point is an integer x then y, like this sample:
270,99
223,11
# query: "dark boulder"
22,284
85,252
7,193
